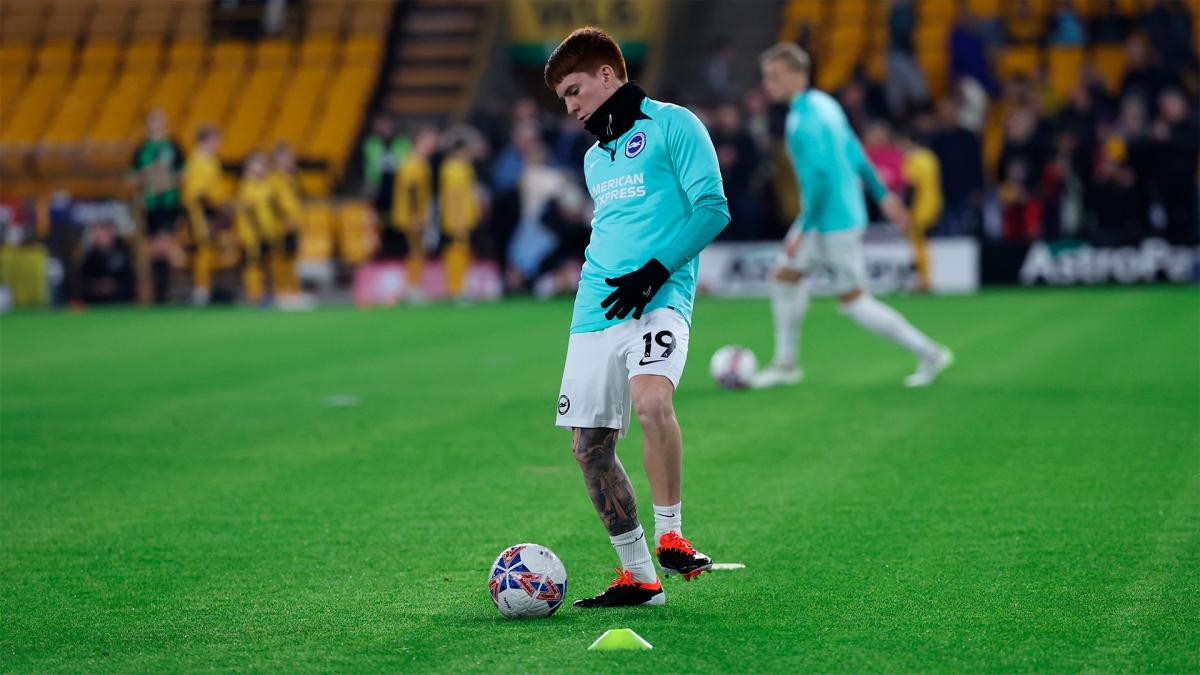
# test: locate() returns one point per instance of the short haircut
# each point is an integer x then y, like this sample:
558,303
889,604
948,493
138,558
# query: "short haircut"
207,131
585,50
789,54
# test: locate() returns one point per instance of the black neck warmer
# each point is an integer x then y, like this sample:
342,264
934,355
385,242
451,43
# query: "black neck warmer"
617,115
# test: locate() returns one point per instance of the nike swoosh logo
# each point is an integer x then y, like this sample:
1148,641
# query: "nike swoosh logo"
668,515
644,362
640,537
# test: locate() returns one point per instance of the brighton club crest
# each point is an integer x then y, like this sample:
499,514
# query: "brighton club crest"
635,144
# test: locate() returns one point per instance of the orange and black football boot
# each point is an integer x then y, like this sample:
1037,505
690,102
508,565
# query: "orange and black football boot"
625,591
676,555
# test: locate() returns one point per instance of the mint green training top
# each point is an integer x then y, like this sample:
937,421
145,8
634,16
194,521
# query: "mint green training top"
658,193
830,165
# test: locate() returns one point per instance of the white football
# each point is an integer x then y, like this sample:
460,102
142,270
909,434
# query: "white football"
527,580
733,366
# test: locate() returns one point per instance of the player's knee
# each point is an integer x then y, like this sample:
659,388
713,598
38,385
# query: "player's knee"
594,447
847,300
786,275
654,407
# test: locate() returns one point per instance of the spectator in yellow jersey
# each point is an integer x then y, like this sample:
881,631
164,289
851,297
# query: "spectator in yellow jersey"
460,210
412,205
256,226
206,200
287,203
924,178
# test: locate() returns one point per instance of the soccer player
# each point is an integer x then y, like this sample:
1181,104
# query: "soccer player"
288,209
412,205
658,197
924,177
460,210
206,199
157,164
831,168
255,226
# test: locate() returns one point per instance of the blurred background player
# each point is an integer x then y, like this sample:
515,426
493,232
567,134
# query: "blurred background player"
157,164
831,168
256,227
460,211
207,201
412,206
656,183
288,207
383,151
924,179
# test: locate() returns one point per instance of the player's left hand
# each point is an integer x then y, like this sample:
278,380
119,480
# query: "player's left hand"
895,210
634,290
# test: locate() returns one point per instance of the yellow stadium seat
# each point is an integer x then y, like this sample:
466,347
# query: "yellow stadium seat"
29,116
1064,68
118,117
172,94
356,230
99,55
187,55
849,13
805,10
362,51
984,8
1109,62
1018,60
316,233
315,183
299,107
230,55
55,57
71,115
936,12
248,120
317,51
334,131
14,68
273,54
210,104
142,57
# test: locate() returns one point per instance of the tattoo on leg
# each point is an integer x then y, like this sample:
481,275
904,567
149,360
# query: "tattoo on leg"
606,480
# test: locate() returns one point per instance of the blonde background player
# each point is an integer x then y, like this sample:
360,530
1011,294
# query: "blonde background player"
832,169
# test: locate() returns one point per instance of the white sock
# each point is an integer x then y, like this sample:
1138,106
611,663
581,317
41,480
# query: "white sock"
635,555
886,322
789,304
666,519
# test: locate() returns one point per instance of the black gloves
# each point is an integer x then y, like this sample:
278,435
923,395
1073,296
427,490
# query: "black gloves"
634,290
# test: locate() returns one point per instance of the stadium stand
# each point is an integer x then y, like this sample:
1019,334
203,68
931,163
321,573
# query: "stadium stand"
80,75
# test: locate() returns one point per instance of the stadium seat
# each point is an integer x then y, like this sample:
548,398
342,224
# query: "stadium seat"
142,57
356,232
340,121
55,57
325,18
316,232
211,101
14,65
1018,60
1109,62
984,8
299,106
248,118
359,51
29,116
276,54
1064,68
317,51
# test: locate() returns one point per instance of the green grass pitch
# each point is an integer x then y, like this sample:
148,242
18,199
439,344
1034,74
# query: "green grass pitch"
177,495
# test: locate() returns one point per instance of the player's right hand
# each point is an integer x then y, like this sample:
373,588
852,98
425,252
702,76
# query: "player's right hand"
894,209
791,244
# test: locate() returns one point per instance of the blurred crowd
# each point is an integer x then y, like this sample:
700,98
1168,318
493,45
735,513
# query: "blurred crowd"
998,157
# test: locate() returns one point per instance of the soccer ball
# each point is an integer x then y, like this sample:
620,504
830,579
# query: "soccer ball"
733,366
527,580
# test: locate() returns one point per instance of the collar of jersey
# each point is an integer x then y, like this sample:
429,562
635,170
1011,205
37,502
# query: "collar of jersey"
617,115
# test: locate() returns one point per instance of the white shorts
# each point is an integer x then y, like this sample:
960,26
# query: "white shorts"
595,385
840,253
